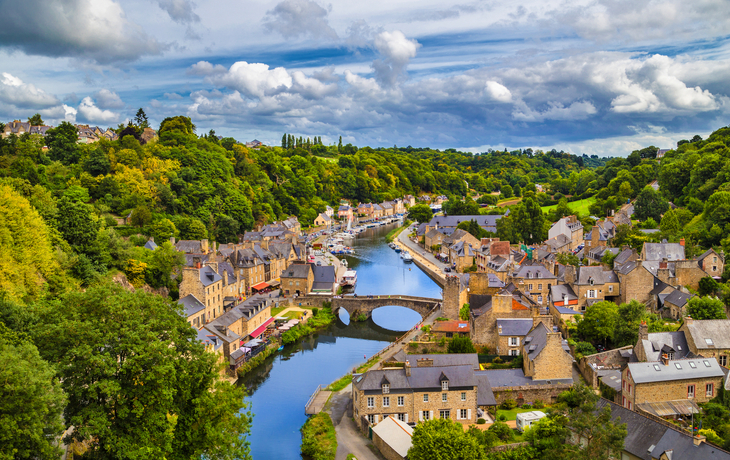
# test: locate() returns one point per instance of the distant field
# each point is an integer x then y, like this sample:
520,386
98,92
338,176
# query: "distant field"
327,159
580,206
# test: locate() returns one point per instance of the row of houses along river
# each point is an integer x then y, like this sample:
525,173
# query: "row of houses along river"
279,388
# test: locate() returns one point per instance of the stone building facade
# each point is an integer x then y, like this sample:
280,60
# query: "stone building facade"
206,285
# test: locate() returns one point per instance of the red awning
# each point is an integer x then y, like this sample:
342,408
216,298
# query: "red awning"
260,286
259,330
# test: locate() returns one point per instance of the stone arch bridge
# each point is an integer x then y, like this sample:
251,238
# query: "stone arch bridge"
363,305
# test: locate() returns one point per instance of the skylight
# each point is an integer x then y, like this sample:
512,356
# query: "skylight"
678,366
657,368
707,363
692,365
709,342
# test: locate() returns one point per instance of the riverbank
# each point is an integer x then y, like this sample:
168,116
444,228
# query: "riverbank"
425,261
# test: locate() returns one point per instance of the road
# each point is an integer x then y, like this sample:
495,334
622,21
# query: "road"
349,439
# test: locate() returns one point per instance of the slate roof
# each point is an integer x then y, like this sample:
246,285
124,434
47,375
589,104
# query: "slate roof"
209,276
558,241
706,253
433,234
479,304
623,257
396,434
487,222
324,274
536,271
228,268
537,338
657,341
494,282
611,378
189,246
485,395
462,249
644,434
678,298
421,378
501,378
659,251
421,230
151,245
597,274
648,373
558,292
717,330
191,304
297,271
190,262
514,326
441,360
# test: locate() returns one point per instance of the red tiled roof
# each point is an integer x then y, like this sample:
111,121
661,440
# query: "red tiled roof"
450,326
518,306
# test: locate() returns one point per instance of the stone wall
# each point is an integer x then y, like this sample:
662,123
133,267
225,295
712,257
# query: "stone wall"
610,359
552,362
453,297
636,285
548,394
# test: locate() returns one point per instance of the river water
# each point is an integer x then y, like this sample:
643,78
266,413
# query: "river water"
279,388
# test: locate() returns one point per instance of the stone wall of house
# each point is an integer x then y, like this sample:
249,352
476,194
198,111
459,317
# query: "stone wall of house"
528,394
610,359
713,265
454,297
453,403
669,391
689,273
552,362
636,285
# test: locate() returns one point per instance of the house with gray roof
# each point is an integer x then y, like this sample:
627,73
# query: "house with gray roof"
150,244
651,346
545,357
325,279
708,338
660,251
487,222
193,310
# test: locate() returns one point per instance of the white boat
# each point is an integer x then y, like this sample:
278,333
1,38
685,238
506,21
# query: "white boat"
407,258
343,262
349,278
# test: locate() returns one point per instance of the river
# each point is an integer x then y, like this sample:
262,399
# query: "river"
279,388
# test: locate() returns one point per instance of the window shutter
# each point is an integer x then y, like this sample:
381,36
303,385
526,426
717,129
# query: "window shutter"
406,417
430,415
518,341
458,416
376,420
420,416
468,414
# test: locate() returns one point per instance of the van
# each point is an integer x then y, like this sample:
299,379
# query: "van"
526,419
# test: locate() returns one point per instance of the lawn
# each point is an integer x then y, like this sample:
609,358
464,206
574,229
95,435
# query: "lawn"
579,207
512,414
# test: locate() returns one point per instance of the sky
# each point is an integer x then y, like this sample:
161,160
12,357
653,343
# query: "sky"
601,77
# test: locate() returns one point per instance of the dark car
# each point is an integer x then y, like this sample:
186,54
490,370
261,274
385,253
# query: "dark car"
600,348
319,263
447,270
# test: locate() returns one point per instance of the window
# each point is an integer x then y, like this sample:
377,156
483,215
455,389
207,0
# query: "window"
624,401
723,360
425,415
514,341
445,413
690,391
610,288
400,400
623,384
402,417
463,395
514,352
706,363
709,390
677,365
445,385
629,388
692,365
463,414
591,293
529,287
714,268
583,308
425,397
386,388
539,299
539,287
443,397
709,342
386,401
371,402
371,419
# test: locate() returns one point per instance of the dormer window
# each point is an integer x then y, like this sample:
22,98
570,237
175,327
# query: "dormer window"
386,388
445,385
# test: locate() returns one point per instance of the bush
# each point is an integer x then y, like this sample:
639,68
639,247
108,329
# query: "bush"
318,437
497,360
502,431
585,348
538,404
461,345
526,406
481,421
110,221
315,310
426,328
502,418
508,404
413,345
424,350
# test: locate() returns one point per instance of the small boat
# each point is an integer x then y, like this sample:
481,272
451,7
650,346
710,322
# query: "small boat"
398,250
343,262
280,348
349,279
407,258
391,245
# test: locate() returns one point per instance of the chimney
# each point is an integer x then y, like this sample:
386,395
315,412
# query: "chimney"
408,368
152,238
665,359
681,241
196,262
688,320
643,331
172,240
569,274
699,439
663,263
500,329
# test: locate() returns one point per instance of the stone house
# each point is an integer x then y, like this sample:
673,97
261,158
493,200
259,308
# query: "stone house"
226,339
572,230
712,263
669,380
329,211
344,212
399,206
409,200
388,209
448,224
535,281
626,255
545,356
234,286
489,248
433,238
559,244
194,310
599,235
414,394
651,346
709,338
251,268
592,284
297,279
365,209
450,329
206,285
563,304
511,335
392,437
378,211
661,251
648,438
485,310
675,303
635,281
325,279
322,220
461,255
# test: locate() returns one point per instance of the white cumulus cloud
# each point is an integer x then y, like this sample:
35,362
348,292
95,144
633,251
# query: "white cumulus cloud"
396,50
93,114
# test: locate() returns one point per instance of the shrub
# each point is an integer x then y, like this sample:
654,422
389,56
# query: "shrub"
315,310
502,431
424,350
318,437
502,418
526,406
413,345
110,221
508,404
497,360
585,348
481,421
538,404
426,328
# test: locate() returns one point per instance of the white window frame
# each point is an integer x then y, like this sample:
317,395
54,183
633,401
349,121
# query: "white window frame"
539,287
514,341
371,418
463,395
371,402
462,414
425,415
444,397
386,388
514,352
690,391
425,397
386,401
446,412
591,293
709,390
401,401
444,385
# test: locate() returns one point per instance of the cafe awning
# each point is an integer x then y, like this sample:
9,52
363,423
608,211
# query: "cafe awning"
259,330
274,283
260,286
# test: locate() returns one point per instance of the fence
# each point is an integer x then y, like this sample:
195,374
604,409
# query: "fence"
311,398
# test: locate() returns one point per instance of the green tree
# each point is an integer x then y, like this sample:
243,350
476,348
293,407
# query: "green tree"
507,191
162,230
192,229
461,345
419,213
650,203
464,312
567,259
97,163
473,227
36,120
62,142
76,223
163,262
443,439
141,216
628,321
561,210
139,384
706,308
31,400
77,193
140,119
599,321
708,286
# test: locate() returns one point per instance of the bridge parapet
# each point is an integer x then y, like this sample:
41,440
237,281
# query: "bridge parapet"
366,305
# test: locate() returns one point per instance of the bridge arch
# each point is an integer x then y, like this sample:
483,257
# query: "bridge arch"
365,305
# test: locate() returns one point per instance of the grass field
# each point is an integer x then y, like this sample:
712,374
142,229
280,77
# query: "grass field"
580,206
512,414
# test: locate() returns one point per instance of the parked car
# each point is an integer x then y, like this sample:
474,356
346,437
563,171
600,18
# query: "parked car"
447,270
319,263
600,348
